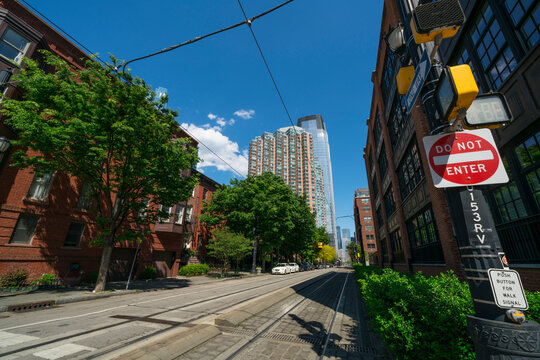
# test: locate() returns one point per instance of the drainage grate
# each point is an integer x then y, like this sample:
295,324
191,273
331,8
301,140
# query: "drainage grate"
150,320
31,306
302,339
351,348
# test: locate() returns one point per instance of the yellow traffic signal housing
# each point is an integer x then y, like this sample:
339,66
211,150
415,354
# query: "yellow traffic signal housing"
404,78
319,245
456,90
438,17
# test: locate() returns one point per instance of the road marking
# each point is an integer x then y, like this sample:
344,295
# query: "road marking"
9,339
61,351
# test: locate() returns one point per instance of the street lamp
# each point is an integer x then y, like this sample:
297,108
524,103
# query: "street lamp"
395,39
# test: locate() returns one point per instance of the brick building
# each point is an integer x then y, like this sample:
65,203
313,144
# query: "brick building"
45,224
363,222
414,227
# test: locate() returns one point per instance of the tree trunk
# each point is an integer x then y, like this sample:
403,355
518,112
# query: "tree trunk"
105,261
254,263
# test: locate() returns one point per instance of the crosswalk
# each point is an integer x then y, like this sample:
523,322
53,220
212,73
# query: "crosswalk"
8,339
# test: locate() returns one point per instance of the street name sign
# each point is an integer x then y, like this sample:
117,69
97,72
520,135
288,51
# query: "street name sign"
420,74
507,289
464,158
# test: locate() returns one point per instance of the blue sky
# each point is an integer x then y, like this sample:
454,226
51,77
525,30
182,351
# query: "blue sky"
321,53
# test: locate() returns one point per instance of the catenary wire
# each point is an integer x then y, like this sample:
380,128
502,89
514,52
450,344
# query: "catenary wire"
64,32
266,63
199,38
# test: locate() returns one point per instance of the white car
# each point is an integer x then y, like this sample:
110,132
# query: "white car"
281,268
294,267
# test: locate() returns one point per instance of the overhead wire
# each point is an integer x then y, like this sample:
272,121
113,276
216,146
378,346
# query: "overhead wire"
266,63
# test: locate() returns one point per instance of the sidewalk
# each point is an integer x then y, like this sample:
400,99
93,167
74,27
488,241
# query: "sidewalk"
43,298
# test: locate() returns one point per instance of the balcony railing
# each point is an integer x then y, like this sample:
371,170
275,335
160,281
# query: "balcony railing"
520,240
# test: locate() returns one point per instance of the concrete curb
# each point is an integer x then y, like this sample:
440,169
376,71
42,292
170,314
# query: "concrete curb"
172,347
235,317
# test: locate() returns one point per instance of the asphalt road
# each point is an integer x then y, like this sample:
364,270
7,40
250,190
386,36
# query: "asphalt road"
96,328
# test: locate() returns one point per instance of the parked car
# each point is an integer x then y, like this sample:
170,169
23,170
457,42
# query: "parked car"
294,267
281,268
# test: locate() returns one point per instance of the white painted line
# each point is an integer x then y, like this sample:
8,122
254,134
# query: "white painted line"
9,339
61,351
463,157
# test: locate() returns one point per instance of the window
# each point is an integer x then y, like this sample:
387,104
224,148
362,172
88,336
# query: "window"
410,171
397,120
367,218
364,200
39,189
379,217
496,57
189,211
167,215
179,214
422,229
144,208
525,16
73,237
371,246
529,158
85,196
366,208
13,46
383,163
370,237
388,74
377,131
369,228
397,246
389,202
24,229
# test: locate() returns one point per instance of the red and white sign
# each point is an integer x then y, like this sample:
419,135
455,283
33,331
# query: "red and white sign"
464,158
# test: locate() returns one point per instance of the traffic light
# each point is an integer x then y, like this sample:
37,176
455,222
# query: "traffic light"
319,245
488,110
433,18
404,78
456,90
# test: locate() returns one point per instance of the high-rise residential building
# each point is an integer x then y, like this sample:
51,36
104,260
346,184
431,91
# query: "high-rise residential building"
288,153
363,221
339,242
415,229
314,124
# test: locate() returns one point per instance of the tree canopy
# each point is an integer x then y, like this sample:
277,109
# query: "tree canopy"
327,254
228,246
109,130
266,206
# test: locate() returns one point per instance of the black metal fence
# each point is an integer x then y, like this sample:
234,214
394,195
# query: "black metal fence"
520,240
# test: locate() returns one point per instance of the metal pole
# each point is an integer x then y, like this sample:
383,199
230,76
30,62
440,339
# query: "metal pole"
133,264
254,263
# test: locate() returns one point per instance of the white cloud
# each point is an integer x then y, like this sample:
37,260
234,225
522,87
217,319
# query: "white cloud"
212,116
231,121
228,150
244,114
221,122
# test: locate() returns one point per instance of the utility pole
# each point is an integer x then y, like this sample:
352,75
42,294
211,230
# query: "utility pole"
498,328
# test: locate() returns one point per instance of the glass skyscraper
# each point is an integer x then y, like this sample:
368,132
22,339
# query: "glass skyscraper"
314,124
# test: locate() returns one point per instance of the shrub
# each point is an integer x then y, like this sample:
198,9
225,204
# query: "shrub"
533,298
194,269
13,278
419,317
47,279
149,272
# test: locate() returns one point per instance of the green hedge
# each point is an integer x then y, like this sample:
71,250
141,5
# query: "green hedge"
423,318
13,279
149,272
193,269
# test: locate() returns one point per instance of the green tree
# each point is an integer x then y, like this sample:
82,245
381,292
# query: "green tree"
263,204
327,254
107,129
353,251
228,247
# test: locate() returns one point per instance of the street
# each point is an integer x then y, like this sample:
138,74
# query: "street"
111,327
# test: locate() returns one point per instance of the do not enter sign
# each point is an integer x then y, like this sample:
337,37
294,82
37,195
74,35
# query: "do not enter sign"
464,158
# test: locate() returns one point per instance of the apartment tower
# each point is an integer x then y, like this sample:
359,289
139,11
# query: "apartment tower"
288,153
314,124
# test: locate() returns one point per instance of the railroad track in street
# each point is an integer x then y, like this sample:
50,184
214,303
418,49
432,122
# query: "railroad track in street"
159,319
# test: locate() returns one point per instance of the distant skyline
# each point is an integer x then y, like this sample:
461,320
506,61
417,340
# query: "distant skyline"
321,54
